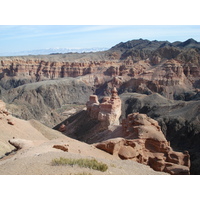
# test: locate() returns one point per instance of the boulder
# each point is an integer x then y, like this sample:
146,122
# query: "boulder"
63,147
145,143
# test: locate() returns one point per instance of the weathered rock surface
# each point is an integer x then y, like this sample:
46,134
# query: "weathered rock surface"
22,134
39,70
145,143
179,120
107,112
63,147
97,117
5,115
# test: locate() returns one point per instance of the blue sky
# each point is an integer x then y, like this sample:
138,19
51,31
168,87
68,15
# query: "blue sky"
16,38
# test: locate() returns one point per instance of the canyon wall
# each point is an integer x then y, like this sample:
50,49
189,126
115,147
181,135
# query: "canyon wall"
168,77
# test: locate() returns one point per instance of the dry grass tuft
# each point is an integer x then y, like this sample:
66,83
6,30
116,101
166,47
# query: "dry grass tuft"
88,163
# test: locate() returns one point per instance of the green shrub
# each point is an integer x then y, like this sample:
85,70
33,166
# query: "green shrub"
88,163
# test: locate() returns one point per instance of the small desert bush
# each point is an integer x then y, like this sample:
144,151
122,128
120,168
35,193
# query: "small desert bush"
88,163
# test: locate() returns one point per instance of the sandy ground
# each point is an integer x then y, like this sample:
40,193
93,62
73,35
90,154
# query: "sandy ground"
35,159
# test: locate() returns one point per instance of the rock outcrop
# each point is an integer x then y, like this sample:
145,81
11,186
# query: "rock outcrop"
63,147
39,70
145,143
179,120
108,112
138,138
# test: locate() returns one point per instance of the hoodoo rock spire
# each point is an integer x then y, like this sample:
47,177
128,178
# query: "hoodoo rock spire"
109,111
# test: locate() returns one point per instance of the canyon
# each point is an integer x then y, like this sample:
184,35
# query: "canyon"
156,78
138,138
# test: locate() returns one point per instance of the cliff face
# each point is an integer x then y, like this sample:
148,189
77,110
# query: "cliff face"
41,70
166,70
170,78
107,112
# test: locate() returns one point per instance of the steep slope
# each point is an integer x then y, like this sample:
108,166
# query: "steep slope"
37,145
42,99
29,130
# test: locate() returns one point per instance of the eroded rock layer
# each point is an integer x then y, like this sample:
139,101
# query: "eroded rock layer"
144,142
108,112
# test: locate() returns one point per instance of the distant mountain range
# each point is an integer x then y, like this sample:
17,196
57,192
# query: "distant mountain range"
52,51
138,44
153,45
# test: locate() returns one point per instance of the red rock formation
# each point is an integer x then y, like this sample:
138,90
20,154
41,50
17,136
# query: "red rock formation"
61,147
93,106
154,74
50,70
108,112
145,143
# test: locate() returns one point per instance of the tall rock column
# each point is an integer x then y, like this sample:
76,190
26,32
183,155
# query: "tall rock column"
110,109
107,112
